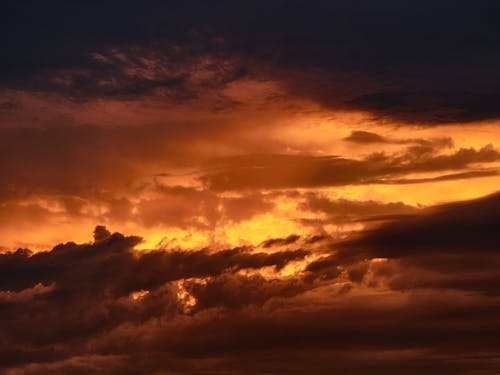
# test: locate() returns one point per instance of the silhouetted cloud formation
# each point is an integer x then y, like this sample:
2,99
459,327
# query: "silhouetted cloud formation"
432,69
453,246
105,307
456,227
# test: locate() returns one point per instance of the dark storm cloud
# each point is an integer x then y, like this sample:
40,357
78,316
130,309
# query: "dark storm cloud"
469,226
88,50
410,61
22,270
450,246
435,333
431,106
236,291
453,246
70,310
75,292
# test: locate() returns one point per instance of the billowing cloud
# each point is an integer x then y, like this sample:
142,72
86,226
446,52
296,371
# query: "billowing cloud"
222,309
136,316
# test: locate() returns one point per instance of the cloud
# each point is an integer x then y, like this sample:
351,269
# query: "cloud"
344,210
224,121
365,137
360,136
104,285
459,227
336,54
219,309
446,177
185,207
431,107
273,171
452,246
236,291
280,241
25,294
22,269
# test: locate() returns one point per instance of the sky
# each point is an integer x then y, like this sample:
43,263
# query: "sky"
249,187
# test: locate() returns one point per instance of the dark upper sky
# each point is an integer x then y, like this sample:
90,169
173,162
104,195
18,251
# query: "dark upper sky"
422,61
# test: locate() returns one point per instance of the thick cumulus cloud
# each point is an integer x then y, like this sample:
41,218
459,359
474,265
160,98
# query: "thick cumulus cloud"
410,61
23,270
76,292
415,293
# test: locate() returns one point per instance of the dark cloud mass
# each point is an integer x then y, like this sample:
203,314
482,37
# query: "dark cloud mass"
459,227
104,307
449,246
435,62
78,292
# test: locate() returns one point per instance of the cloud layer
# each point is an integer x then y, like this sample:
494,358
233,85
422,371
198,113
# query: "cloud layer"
414,293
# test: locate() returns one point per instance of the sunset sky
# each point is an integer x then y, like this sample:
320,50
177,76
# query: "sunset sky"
250,187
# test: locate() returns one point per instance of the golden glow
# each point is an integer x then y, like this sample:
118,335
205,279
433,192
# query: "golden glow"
196,216
138,295
186,300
